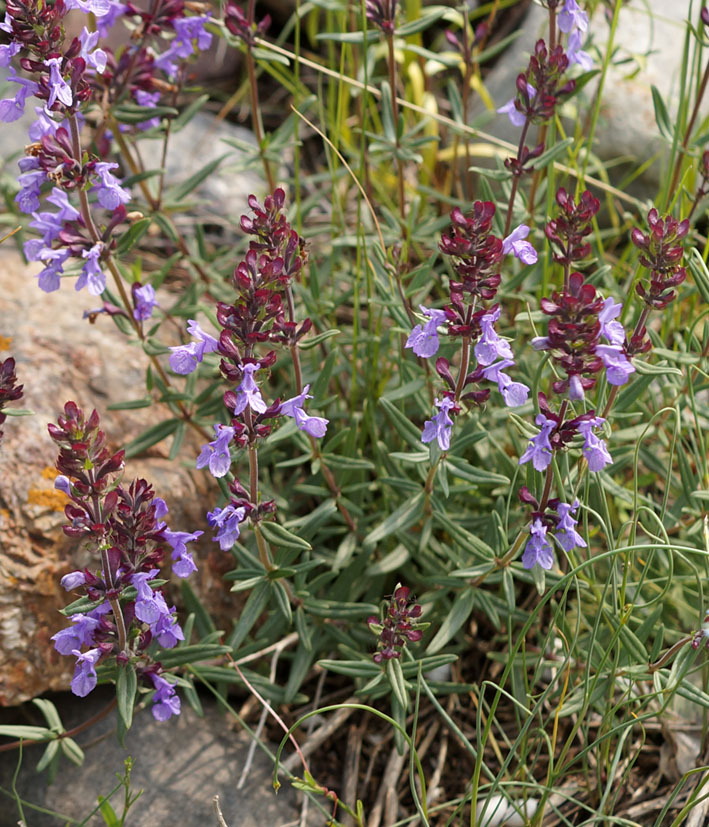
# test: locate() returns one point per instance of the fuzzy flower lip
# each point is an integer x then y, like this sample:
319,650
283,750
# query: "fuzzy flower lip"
538,551
216,454
572,18
515,394
423,339
441,425
515,243
248,392
490,346
316,426
185,358
594,449
565,533
539,450
516,117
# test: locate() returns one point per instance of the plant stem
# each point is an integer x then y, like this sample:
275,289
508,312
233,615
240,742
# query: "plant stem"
688,131
255,108
515,179
395,117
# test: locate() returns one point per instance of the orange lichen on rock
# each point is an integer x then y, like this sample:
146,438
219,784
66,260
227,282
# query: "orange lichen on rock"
56,500
49,473
5,342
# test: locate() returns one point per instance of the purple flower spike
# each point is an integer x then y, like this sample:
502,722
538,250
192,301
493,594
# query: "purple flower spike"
538,552
95,58
216,454
165,701
316,426
571,18
441,425
521,249
490,346
514,393
594,449
183,564
49,279
66,211
227,521
423,339
539,449
248,392
566,535
85,680
185,358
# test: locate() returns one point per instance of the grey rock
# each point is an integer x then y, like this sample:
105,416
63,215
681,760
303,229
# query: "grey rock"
59,357
653,33
180,765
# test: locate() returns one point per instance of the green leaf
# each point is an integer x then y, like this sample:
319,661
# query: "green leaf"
464,469
132,113
30,733
654,370
50,713
351,668
49,754
460,612
404,427
178,192
309,344
192,653
193,604
280,536
348,463
150,437
250,614
72,751
126,687
396,559
18,412
108,814
338,608
662,118
282,601
145,402
404,517
397,682
188,113
553,153
133,235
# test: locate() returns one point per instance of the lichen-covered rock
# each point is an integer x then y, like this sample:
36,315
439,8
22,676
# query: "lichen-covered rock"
60,357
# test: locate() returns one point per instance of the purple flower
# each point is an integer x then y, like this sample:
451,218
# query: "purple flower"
84,679
91,275
571,18
106,21
227,521
62,483
30,180
96,58
184,564
59,89
576,391
49,224
44,125
78,635
514,393
7,52
109,192
441,425
538,552
148,607
145,301
49,279
490,346
248,392
316,426
539,449
165,701
424,338
575,53
516,117
72,580
185,358
97,7
60,199
618,366
613,331
13,108
521,249
166,629
216,454
565,534
594,449
188,29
